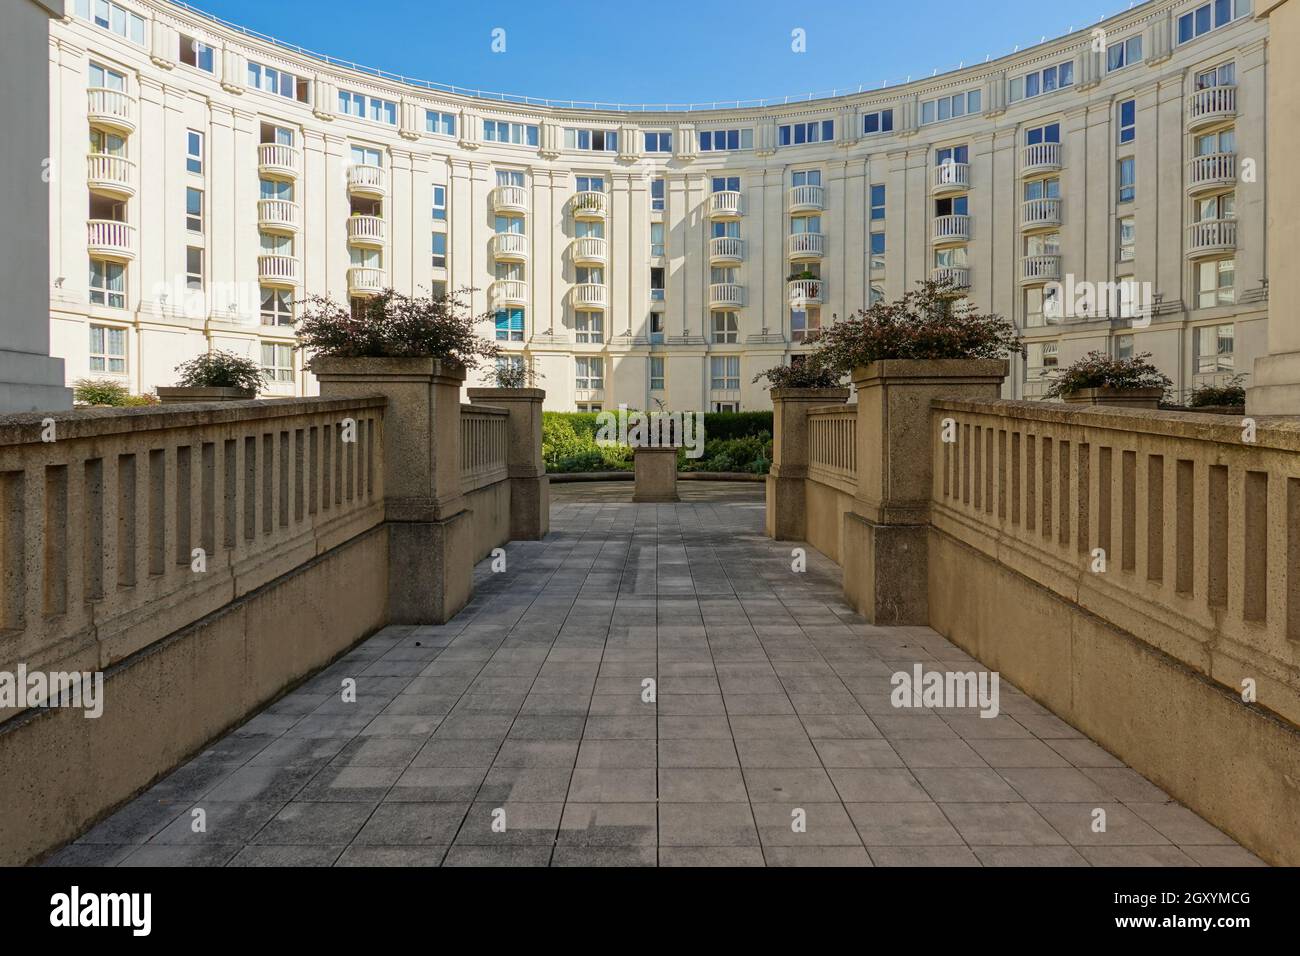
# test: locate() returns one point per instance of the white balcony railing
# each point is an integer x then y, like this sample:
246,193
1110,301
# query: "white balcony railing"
1041,269
367,180
510,292
590,295
1211,171
110,238
959,276
1041,157
590,249
277,159
725,204
510,199
112,108
804,292
108,173
807,245
365,280
728,294
510,246
952,228
1041,212
277,214
1211,236
807,198
367,230
278,269
726,249
590,205
951,177
1214,104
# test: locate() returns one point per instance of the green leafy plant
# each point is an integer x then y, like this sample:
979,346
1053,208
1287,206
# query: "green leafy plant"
393,325
98,391
221,369
516,376
926,323
805,374
1231,392
1099,370
805,274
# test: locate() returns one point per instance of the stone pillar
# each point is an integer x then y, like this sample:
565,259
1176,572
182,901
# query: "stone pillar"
883,546
1275,386
785,482
655,471
430,539
530,489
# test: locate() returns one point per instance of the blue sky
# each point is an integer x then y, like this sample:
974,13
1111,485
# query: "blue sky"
665,51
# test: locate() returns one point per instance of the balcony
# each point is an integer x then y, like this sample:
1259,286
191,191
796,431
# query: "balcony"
1040,214
370,182
510,199
110,174
1211,237
589,250
723,249
509,247
1040,158
806,199
726,295
725,204
278,270
277,160
509,292
365,280
959,276
950,178
1210,172
802,292
1040,269
277,215
367,230
590,205
807,245
111,109
109,239
950,229
1216,104
590,295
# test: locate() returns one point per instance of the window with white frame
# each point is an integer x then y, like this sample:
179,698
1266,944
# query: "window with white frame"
1124,53
1123,347
877,202
878,121
658,142
510,325
439,123
1050,133
724,184
107,283
877,293
725,140
657,194
726,327
277,361
1127,238
877,249
589,372
510,363
656,373
439,203
510,177
656,328
114,18
275,189
814,131
515,134
277,306
589,327
1127,111
280,82
724,372
367,107
1225,74
949,107
590,184
194,151
591,140
804,322
367,156
101,77
1049,79
1215,282
656,239
1042,306
439,250
1214,348
1209,16
1126,178
657,283
589,275
1049,188
108,349
194,267
193,209
1219,206
196,53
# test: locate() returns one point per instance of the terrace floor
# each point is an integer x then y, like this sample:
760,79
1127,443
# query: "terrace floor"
526,711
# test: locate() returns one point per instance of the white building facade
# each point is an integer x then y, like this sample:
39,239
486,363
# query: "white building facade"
207,180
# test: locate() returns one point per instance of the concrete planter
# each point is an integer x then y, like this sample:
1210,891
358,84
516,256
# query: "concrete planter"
655,470
188,394
530,488
786,502
1116,397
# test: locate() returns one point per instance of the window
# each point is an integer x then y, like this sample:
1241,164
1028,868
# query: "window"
193,267
806,177
589,327
1127,179
658,142
196,53
584,228
1214,348
726,328
1047,80
510,325
1128,121
1124,53
277,306
1222,206
1215,281
1224,141
590,184
591,407
589,372
1051,133
110,16
589,275
592,140
799,225
193,209
954,258
1210,16
877,250
1223,75
277,81
103,143
442,124
101,77
510,363
194,151
1044,244
656,283
107,283
952,206
277,361
439,203
881,121
724,371
275,189
439,250
724,275
950,107
656,373
438,288
107,349
952,154
656,238
367,156
803,323
722,184
280,135
718,140
726,406
510,177
516,134
273,245
796,134
1049,188
1042,306
656,327
877,202
1127,238
1123,346
657,194
367,107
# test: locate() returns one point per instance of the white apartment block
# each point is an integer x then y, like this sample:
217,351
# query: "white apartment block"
207,179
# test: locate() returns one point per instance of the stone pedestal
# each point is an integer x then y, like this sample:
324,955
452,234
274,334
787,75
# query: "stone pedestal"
655,470
786,501
530,489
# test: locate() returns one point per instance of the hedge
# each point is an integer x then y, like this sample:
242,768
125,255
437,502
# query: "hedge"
733,441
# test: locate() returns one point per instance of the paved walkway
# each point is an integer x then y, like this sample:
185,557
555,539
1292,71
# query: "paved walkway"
527,711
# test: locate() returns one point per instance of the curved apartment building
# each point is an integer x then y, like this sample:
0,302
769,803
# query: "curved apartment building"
1104,189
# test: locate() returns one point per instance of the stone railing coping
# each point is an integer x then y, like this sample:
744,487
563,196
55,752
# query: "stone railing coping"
843,409
537,394
1276,431
26,428
487,411
804,394
949,370
376,366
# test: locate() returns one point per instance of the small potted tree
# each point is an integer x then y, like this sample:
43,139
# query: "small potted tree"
1226,398
1099,379
215,376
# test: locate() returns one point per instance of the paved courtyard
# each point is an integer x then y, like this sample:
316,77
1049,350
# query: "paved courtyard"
518,734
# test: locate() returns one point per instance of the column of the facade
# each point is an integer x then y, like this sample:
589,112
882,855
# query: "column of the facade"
400,211
765,252
1251,281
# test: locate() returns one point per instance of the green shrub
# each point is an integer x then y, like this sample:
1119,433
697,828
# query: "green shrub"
1099,370
724,425
92,391
733,441
1231,392
222,369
